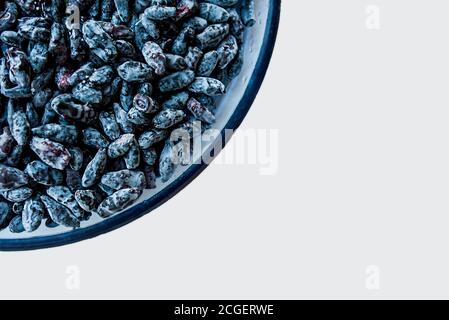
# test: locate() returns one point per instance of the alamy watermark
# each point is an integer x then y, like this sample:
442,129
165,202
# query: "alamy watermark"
258,147
372,280
372,21
73,20
73,279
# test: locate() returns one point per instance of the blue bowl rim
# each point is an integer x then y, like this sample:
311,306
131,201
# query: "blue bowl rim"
114,222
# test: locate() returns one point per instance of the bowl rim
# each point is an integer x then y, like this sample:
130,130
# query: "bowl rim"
145,207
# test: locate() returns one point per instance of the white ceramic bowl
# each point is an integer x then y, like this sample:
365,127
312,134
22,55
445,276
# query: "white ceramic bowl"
232,108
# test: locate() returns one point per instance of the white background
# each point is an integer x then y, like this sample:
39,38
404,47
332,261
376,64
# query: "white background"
358,208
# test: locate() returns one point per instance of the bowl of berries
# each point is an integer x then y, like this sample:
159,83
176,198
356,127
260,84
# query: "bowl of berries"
104,105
